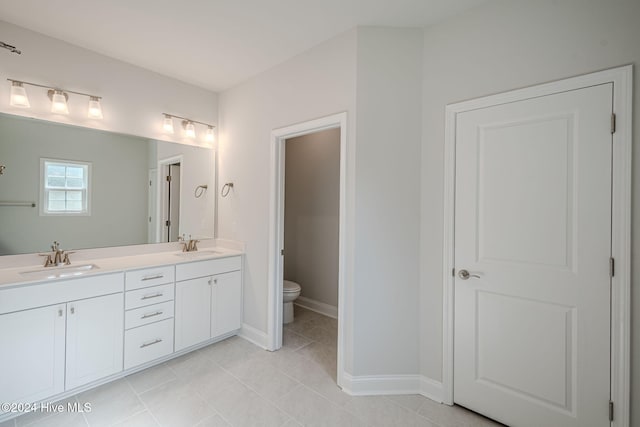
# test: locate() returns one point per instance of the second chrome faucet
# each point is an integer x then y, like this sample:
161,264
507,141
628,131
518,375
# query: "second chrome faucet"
190,245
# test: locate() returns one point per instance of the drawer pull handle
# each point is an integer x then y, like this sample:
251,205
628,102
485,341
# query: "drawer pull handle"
156,341
152,296
157,276
146,316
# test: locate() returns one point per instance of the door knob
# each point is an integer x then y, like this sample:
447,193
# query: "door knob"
464,275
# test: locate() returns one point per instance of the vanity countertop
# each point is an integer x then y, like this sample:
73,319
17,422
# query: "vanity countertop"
11,277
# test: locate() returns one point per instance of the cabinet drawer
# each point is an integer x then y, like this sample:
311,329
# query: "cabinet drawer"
146,343
210,267
148,296
149,277
149,314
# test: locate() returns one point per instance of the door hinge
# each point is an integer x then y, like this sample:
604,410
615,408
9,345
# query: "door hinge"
610,410
612,267
168,178
453,272
282,252
167,223
613,123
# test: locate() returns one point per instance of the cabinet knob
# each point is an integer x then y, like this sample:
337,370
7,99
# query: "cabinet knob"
60,313
73,310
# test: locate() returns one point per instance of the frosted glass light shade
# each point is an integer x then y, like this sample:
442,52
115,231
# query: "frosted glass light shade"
167,124
95,109
190,130
19,96
59,103
210,136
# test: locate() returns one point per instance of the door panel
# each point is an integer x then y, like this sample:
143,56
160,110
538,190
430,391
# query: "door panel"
32,357
533,228
193,312
95,330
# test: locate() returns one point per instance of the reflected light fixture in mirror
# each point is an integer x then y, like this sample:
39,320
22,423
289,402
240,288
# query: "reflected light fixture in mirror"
59,101
19,96
95,109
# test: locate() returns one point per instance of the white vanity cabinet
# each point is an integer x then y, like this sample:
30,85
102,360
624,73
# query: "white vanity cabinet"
32,356
72,338
208,300
94,339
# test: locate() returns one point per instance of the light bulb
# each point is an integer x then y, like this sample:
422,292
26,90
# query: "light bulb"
167,124
210,136
95,109
59,102
190,130
19,95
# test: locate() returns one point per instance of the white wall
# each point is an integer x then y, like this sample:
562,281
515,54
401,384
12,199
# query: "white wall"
311,218
317,83
133,98
498,47
382,188
387,201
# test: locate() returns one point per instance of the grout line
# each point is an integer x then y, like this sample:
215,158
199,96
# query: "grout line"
143,404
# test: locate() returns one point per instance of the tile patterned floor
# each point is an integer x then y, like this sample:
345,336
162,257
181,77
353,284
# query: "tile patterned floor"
234,383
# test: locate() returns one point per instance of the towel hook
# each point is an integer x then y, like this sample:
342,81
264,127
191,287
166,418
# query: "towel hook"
226,189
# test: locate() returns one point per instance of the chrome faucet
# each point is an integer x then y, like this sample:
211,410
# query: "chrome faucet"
188,246
57,256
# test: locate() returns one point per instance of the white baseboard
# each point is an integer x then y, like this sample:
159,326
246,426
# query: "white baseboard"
254,335
370,385
432,389
317,306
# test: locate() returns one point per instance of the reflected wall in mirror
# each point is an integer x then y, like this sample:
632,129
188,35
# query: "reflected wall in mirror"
127,198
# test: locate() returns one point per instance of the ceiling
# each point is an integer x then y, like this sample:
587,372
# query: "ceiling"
215,44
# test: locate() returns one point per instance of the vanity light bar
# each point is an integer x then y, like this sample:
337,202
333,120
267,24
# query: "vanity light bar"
188,125
58,98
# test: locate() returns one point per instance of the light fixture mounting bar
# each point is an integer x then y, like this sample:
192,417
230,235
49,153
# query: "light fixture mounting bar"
10,48
55,88
189,120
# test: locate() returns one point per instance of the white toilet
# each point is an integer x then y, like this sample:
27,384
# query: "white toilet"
290,291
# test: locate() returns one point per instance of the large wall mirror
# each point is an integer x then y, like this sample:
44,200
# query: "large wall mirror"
88,188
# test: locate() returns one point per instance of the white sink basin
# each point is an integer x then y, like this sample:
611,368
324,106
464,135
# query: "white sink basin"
59,272
205,253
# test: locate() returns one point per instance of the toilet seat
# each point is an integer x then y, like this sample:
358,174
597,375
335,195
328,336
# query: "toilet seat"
290,287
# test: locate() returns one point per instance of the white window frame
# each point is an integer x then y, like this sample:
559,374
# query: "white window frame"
44,191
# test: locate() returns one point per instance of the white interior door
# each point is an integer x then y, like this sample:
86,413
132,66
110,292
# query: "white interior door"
533,230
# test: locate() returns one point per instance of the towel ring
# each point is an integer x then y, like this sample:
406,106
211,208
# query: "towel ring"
226,189
202,189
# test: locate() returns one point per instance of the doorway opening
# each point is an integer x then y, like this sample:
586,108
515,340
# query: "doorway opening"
302,227
170,204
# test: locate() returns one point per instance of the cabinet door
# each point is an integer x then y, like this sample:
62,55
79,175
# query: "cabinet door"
95,331
226,300
32,356
193,312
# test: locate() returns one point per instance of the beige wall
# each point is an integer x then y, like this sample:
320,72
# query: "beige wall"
497,47
312,208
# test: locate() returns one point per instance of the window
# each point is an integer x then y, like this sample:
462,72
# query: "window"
65,187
